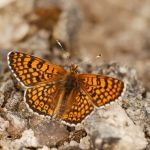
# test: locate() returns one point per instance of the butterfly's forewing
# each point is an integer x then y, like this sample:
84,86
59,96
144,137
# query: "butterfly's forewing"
101,89
30,70
77,108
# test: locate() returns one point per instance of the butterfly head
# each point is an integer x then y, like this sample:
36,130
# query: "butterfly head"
73,68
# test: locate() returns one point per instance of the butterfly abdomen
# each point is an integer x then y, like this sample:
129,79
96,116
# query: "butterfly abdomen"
69,85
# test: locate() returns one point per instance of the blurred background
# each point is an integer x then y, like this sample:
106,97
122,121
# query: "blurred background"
118,30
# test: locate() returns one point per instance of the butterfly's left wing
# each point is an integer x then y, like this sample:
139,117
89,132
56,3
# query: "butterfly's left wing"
31,70
101,89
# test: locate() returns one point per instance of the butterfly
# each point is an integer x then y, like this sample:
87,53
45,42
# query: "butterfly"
65,95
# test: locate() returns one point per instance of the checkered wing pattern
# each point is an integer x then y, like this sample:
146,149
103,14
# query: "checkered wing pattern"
43,98
30,70
101,89
78,107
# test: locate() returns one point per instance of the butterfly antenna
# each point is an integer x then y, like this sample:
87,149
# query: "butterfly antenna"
66,54
91,61
98,56
60,45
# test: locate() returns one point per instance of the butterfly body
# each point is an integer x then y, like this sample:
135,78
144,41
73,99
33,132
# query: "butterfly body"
65,95
69,85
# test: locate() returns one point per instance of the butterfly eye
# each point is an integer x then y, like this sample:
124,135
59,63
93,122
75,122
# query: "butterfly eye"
73,68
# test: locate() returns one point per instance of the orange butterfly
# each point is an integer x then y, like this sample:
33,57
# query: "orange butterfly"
65,95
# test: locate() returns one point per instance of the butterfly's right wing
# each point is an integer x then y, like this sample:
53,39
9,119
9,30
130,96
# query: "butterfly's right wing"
101,89
77,108
30,70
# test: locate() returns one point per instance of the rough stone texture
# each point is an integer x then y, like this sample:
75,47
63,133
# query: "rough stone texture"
85,29
112,128
51,130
